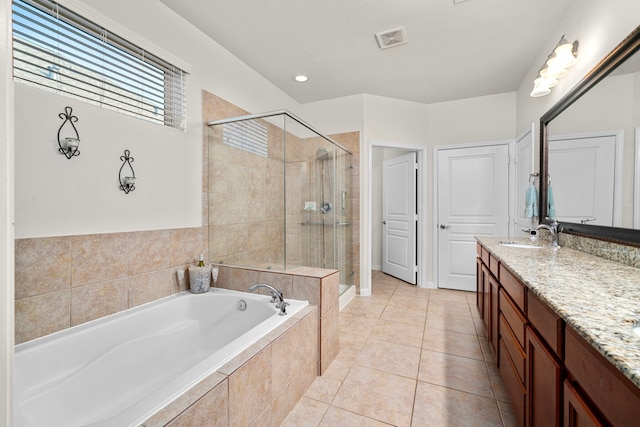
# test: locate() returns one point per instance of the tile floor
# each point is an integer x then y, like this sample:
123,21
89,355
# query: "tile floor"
408,357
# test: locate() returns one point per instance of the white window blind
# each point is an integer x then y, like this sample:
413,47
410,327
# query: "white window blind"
58,50
248,135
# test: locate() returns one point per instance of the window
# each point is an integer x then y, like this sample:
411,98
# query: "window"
57,50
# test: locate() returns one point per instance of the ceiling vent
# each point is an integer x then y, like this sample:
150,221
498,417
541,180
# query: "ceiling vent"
391,38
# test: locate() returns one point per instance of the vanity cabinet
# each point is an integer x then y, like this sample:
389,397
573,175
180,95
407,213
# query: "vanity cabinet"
552,375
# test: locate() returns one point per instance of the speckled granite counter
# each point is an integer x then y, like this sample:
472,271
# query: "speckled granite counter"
598,298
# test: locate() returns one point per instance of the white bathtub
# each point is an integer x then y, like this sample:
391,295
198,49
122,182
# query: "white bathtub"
121,369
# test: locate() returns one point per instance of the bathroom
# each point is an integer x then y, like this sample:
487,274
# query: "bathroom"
130,244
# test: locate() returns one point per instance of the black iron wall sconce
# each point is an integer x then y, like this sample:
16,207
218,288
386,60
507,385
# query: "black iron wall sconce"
128,181
68,145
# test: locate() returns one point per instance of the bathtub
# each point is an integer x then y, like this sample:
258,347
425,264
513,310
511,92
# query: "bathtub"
121,369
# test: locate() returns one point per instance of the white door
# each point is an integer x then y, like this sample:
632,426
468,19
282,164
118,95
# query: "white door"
524,165
473,200
582,172
399,217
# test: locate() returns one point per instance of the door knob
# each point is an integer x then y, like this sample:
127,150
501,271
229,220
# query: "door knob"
444,227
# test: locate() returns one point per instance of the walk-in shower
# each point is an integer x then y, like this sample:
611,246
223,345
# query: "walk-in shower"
279,195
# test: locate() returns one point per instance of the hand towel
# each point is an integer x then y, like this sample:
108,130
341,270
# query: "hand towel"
531,202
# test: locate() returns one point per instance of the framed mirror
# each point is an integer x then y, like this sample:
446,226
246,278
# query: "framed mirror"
588,142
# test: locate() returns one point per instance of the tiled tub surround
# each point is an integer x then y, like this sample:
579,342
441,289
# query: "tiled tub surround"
258,387
122,369
316,285
597,297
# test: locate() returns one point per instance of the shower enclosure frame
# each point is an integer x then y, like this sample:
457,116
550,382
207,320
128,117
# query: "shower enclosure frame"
342,255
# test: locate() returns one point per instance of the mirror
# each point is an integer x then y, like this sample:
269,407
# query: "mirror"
587,150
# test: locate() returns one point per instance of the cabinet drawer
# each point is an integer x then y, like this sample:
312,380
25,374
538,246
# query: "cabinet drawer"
513,317
516,352
494,266
546,322
512,385
514,288
612,393
485,256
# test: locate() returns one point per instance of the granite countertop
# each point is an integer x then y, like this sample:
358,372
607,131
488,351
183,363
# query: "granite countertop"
598,298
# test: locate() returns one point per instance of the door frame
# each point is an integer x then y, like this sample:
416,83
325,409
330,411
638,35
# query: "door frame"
510,143
421,154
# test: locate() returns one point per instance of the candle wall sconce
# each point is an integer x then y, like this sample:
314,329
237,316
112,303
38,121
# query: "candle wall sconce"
127,177
69,144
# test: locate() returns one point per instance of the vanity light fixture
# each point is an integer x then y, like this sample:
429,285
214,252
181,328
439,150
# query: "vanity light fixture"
128,181
563,56
68,145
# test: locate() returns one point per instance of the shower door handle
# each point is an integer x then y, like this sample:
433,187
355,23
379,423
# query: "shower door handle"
444,227
384,222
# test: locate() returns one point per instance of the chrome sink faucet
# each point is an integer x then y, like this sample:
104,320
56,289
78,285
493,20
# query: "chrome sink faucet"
276,296
553,230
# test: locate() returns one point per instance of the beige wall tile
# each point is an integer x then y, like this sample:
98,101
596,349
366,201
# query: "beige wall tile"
93,301
329,289
148,251
241,279
42,266
149,287
41,315
250,389
306,289
210,410
186,244
99,257
329,337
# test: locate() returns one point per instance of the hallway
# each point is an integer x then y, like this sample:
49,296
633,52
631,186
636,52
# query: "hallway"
408,357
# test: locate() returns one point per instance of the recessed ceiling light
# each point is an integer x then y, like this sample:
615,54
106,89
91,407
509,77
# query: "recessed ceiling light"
301,78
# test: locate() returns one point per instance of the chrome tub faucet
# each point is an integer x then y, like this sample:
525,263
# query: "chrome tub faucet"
276,296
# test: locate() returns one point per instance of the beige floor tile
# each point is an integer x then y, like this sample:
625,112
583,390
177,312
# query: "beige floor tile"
378,395
441,406
451,322
307,413
389,357
452,343
325,387
350,346
398,313
336,417
397,332
450,295
480,329
448,308
508,416
409,302
412,291
360,307
456,372
351,323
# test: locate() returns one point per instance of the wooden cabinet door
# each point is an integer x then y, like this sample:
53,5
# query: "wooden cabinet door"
576,411
493,329
479,288
544,383
486,304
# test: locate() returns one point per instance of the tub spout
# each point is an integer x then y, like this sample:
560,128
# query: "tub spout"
276,296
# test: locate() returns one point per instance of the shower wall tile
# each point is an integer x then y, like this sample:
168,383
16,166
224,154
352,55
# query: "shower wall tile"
279,281
93,301
307,288
42,266
240,279
99,257
41,315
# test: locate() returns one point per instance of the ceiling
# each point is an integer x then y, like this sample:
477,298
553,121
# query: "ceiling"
453,51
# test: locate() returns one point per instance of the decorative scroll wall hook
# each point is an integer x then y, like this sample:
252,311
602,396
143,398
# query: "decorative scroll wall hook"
127,180
69,144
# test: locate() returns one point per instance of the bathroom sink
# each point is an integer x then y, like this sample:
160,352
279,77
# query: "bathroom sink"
519,245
